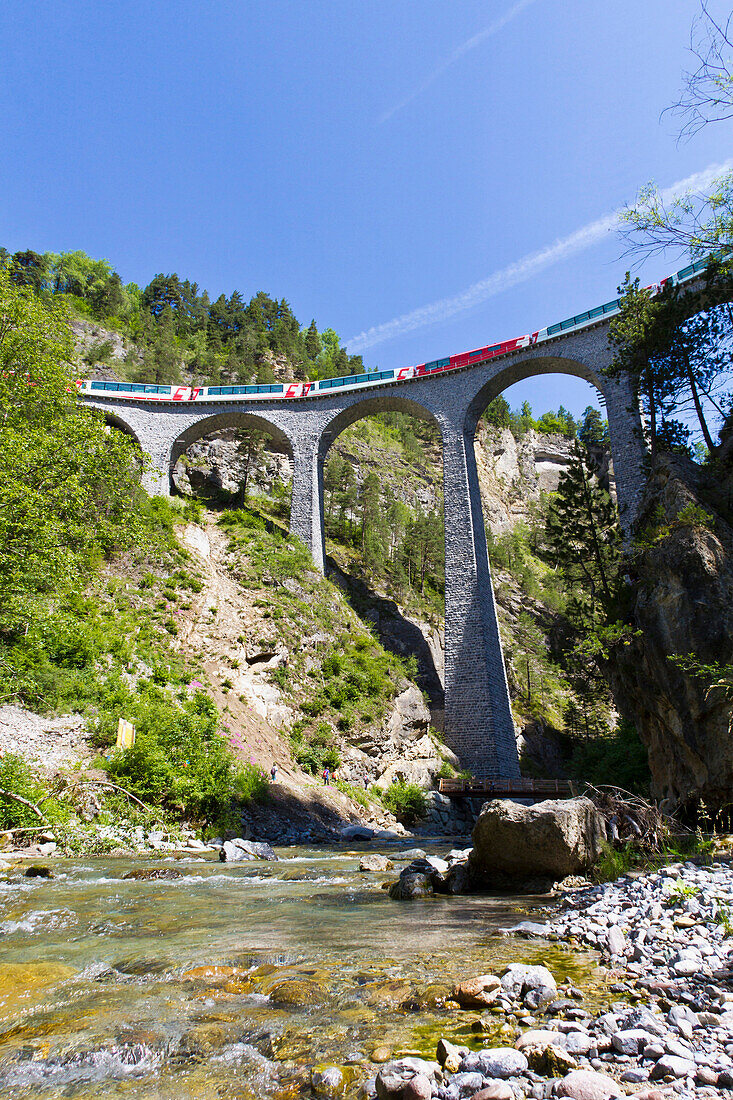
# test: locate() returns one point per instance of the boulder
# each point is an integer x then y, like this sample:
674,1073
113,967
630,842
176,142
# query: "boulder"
585,1084
411,885
394,1078
495,1062
376,862
239,851
550,839
356,832
477,992
533,985
499,1090
328,1082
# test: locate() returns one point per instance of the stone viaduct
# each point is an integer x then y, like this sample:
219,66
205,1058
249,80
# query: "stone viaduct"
478,721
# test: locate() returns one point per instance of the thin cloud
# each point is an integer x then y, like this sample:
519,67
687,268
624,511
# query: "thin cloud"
520,271
458,53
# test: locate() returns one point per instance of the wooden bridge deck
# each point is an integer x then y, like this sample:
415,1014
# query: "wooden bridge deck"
511,788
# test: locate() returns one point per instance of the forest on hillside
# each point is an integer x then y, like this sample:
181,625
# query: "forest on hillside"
177,327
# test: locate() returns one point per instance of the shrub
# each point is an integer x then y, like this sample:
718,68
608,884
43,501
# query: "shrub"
251,784
19,778
178,759
406,801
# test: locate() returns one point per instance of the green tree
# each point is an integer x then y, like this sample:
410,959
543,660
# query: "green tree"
583,536
70,487
312,342
640,337
250,448
594,429
525,420
29,269
498,413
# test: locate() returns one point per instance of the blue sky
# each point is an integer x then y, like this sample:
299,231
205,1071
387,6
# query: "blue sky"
363,160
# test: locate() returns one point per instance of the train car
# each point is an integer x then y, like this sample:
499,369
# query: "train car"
139,391
136,391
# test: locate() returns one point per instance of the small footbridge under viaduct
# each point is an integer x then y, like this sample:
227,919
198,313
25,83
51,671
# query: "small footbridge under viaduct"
478,720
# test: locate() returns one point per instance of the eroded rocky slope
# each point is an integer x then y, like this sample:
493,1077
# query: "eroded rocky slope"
682,611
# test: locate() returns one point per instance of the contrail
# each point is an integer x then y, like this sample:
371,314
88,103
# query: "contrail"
457,54
521,270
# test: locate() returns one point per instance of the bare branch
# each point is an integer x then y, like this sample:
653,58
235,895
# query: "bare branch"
707,90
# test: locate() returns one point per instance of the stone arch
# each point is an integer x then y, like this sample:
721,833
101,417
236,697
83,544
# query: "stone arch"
521,370
116,421
628,448
279,440
234,418
369,406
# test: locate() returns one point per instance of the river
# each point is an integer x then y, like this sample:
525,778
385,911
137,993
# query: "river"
232,980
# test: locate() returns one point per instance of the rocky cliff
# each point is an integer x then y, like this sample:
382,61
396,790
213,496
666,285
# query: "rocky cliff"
681,568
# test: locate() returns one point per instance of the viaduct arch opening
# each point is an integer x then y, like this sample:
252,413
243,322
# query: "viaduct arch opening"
233,457
384,528
530,440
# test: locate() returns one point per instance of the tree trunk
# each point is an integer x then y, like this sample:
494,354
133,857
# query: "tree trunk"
696,398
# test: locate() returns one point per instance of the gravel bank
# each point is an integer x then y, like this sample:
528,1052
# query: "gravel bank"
666,938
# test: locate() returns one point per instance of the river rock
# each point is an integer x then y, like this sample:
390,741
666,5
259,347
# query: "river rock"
449,1056
152,874
498,1090
585,1084
376,862
670,1066
495,1062
356,832
328,1082
296,993
394,1076
411,885
419,1088
616,941
538,1039
554,839
533,985
238,850
477,992
37,871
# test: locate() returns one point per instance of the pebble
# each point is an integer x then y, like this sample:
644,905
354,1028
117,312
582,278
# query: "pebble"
668,1033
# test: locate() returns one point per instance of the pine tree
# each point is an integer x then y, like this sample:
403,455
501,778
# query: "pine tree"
583,536
312,342
594,429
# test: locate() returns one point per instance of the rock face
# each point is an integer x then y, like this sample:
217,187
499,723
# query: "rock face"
683,605
551,839
513,472
213,467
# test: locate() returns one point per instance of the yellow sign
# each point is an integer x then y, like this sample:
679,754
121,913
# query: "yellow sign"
125,734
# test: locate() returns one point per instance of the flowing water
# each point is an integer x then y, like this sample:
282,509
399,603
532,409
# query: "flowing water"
233,980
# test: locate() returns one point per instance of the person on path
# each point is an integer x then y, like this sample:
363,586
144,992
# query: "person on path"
273,773
326,777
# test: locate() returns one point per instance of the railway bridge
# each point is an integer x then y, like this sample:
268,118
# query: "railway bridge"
478,720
